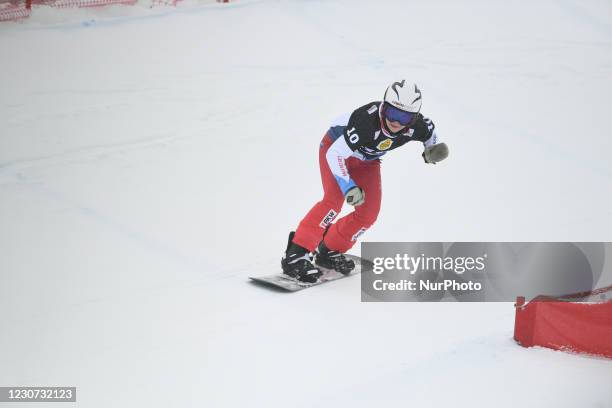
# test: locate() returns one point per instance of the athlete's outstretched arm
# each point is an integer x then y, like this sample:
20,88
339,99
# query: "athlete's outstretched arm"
434,149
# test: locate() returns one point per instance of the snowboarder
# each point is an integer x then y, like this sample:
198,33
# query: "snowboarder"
349,162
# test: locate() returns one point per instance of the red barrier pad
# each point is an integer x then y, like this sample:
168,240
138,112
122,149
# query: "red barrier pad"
567,323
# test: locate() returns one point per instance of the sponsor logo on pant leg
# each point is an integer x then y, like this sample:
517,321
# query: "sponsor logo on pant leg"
328,219
358,234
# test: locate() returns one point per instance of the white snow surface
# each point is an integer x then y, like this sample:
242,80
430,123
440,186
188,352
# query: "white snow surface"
151,161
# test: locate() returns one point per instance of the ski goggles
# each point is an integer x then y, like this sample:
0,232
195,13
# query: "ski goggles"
394,114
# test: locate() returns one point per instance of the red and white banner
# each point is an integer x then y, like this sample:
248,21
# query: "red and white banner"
584,327
18,9
14,10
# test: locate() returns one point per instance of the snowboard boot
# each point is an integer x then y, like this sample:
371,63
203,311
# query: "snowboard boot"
297,263
326,258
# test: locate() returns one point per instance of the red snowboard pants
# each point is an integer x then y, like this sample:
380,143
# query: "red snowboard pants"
342,234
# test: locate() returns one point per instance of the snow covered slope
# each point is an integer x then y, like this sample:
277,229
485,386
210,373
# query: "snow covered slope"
150,162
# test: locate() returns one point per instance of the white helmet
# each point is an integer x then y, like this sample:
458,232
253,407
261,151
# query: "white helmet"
404,95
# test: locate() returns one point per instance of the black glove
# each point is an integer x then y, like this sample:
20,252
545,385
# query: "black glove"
436,153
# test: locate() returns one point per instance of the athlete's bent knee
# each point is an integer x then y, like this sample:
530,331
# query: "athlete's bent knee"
366,218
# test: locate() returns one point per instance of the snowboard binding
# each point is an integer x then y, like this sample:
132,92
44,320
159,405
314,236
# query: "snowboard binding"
326,258
297,263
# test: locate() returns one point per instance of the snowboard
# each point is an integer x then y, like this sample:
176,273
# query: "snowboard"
285,282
